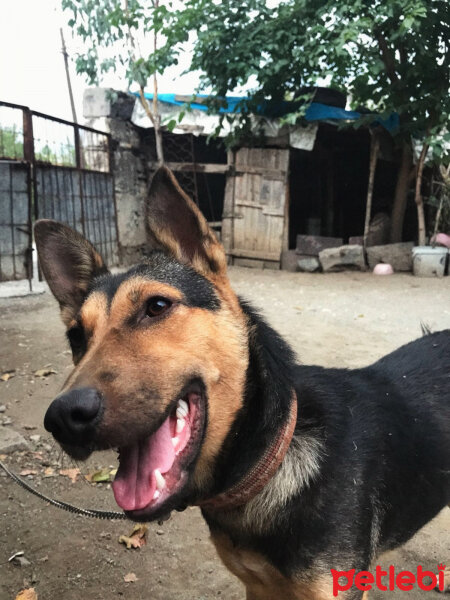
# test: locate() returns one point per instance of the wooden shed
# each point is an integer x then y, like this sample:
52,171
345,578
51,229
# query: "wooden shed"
302,180
255,215
259,199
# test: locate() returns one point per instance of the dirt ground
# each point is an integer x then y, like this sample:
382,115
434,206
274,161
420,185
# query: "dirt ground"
346,319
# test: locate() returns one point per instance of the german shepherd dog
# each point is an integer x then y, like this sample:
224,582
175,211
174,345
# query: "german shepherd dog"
298,469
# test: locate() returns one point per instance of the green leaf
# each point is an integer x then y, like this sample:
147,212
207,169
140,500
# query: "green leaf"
171,124
102,476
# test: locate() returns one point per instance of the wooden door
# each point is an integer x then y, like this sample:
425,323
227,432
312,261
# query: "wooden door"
255,211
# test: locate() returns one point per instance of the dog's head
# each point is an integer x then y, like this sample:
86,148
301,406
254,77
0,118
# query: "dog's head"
160,353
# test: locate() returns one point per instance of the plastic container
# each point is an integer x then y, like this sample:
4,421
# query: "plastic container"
429,262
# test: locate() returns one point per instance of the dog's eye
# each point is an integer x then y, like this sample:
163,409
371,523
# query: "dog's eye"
157,306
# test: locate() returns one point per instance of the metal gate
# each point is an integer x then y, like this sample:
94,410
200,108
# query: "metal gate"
15,248
52,168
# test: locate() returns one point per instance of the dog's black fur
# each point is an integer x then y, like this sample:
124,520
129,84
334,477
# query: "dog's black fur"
371,448
385,465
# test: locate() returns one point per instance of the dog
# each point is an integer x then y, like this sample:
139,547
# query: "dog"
297,469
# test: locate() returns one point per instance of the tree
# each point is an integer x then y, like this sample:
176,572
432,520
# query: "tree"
115,33
389,55
11,142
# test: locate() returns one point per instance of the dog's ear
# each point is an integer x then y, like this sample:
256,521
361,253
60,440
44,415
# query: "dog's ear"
69,263
174,223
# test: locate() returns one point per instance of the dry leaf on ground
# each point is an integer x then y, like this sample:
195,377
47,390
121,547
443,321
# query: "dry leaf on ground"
44,372
130,578
29,594
72,474
136,539
26,472
7,375
49,472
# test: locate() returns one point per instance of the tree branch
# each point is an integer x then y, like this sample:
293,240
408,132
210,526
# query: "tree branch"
146,105
418,193
152,113
155,79
144,101
374,148
387,57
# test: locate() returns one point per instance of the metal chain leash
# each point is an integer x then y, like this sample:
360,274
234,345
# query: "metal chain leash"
87,512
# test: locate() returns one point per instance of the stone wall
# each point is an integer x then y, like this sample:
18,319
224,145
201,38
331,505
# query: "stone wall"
111,111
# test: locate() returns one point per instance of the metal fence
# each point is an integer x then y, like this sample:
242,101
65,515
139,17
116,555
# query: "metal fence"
55,169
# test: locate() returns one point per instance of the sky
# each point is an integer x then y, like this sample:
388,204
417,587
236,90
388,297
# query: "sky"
32,66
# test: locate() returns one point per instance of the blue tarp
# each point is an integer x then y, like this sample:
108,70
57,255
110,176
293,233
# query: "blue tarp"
314,112
231,101
324,112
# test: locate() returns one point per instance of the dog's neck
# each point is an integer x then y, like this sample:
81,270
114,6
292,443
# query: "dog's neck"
262,472
263,430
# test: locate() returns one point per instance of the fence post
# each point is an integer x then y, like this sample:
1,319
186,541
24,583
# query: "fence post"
28,155
79,166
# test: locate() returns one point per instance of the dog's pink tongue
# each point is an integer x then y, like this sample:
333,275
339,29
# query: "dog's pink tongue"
135,482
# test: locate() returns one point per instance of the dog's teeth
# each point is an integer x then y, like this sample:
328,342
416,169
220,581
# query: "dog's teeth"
175,441
160,481
181,413
183,405
156,495
180,425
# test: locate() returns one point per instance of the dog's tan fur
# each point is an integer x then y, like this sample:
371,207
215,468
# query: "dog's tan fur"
263,581
141,364
139,371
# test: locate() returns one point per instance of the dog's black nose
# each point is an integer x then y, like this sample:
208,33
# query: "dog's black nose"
72,418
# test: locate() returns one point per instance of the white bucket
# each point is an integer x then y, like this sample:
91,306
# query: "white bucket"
428,261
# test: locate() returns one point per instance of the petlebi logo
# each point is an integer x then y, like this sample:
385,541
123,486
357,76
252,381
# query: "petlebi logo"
388,580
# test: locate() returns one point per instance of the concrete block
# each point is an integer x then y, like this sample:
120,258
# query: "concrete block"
96,102
131,255
289,259
356,240
379,229
100,123
311,245
11,441
129,174
399,256
125,133
123,106
308,264
105,102
343,258
130,219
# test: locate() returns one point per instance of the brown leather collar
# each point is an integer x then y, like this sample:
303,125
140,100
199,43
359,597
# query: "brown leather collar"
261,473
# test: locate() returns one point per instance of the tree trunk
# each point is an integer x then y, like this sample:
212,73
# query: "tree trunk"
155,118
157,121
374,146
418,196
158,140
152,113
401,194
445,174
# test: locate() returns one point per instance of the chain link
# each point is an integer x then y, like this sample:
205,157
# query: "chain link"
87,512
